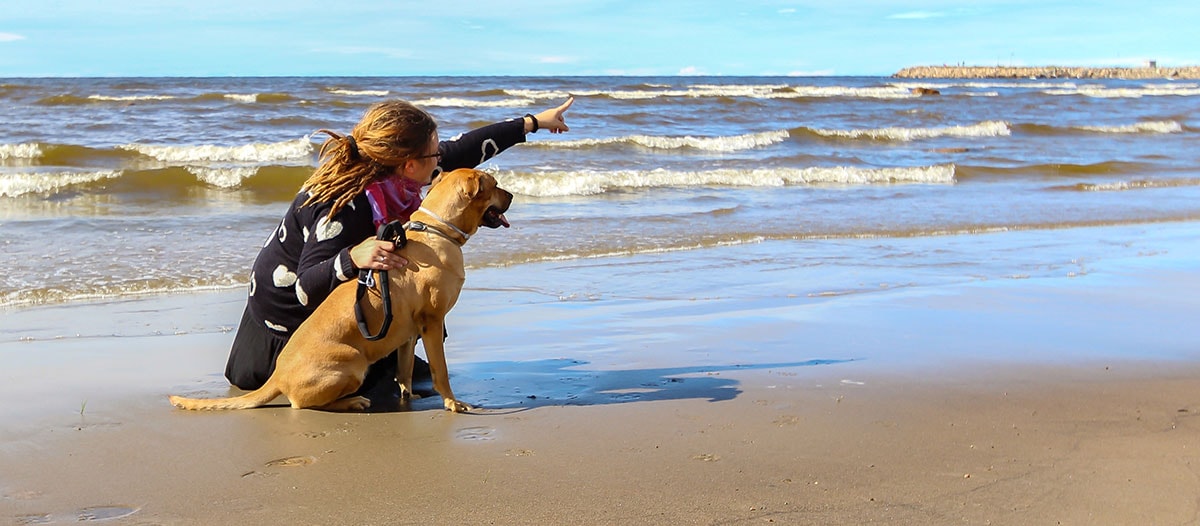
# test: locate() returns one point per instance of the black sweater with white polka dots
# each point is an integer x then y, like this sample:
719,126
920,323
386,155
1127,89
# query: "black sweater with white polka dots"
308,255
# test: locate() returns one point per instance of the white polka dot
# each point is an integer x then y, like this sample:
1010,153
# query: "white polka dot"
337,270
283,277
327,229
274,327
306,233
253,284
282,232
301,295
495,150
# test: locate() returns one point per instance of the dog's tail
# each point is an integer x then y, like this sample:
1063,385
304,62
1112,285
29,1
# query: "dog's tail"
256,398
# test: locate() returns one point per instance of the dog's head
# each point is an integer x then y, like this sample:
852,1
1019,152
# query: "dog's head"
469,199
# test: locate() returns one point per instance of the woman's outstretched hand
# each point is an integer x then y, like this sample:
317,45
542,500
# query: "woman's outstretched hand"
553,119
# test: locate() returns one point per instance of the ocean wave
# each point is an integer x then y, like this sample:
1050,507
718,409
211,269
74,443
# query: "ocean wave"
581,183
1152,90
1109,168
1141,127
298,149
269,182
359,93
986,85
753,91
18,184
983,129
609,252
24,151
58,295
1137,184
230,177
453,102
246,98
716,144
130,98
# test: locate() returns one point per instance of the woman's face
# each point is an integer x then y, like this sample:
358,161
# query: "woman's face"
421,168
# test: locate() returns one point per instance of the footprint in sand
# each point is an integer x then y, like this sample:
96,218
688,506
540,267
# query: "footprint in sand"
103,513
787,420
92,513
707,457
476,433
291,462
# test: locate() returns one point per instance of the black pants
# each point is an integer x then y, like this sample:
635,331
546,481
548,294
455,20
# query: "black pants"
255,349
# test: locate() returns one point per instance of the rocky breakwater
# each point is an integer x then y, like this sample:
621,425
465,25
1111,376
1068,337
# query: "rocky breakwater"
1046,72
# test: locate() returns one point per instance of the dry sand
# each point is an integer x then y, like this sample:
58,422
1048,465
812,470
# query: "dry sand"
1022,401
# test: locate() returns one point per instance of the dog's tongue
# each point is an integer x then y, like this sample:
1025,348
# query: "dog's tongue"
503,220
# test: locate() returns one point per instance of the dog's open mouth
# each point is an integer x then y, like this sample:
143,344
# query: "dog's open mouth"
494,218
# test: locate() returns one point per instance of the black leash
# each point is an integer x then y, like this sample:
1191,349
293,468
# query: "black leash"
393,232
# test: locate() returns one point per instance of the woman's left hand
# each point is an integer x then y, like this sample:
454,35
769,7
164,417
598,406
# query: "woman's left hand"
552,119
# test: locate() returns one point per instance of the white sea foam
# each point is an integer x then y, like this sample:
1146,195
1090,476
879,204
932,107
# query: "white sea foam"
452,102
1141,127
360,93
550,94
20,151
755,91
15,184
716,144
246,98
986,85
1120,186
983,129
636,251
887,92
259,152
229,177
127,98
1152,90
579,183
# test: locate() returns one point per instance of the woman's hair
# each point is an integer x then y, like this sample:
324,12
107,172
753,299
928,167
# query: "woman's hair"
388,134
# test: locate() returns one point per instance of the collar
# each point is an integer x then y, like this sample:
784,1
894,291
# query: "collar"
421,227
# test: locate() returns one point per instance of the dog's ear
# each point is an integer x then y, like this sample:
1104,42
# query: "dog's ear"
470,186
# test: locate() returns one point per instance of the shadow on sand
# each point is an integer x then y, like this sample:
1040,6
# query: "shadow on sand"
559,382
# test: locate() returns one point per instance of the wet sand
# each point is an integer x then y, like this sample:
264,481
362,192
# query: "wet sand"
1066,400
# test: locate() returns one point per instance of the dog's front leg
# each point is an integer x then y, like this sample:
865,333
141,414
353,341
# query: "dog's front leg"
406,356
435,350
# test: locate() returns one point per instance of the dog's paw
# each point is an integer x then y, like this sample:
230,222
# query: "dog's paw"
406,393
354,403
456,406
358,403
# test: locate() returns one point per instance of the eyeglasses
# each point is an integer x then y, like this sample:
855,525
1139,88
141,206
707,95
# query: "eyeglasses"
435,154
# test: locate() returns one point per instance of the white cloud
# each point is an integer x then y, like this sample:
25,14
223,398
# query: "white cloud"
556,60
690,70
10,37
916,15
787,11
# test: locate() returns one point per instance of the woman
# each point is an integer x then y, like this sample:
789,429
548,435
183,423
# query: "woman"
367,178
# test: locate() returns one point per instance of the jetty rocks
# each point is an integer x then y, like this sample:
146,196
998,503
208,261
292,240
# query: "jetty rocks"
1046,72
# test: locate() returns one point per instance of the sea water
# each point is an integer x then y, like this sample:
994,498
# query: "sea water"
118,187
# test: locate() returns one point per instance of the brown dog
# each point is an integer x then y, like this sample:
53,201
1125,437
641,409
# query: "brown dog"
326,359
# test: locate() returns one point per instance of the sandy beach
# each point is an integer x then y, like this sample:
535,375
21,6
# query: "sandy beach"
654,389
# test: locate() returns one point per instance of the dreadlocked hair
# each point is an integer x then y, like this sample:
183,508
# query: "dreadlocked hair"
388,134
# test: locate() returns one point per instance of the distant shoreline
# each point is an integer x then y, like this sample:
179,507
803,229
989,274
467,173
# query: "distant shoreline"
1046,72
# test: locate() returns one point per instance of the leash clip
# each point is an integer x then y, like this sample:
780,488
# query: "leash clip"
366,278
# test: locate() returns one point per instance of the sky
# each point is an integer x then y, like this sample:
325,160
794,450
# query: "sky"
79,38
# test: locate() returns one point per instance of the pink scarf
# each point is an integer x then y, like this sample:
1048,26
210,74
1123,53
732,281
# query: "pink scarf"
393,199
